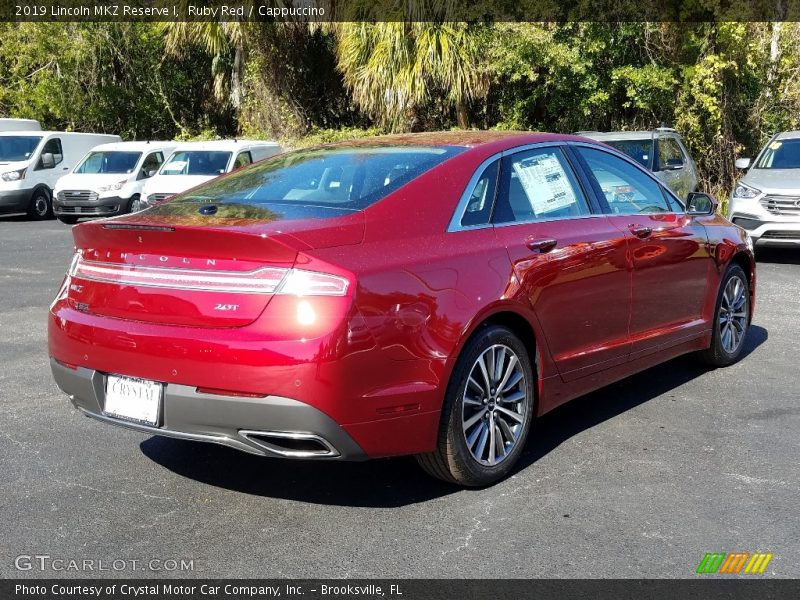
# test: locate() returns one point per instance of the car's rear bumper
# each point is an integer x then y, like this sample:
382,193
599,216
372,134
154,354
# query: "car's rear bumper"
269,426
346,389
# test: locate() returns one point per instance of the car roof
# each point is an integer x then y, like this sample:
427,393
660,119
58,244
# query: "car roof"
788,135
223,144
466,139
622,135
70,133
134,146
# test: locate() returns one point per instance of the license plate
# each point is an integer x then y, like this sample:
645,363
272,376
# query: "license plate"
133,399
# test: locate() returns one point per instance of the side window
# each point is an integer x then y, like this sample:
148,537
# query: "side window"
242,160
669,153
538,185
152,162
53,146
479,206
627,190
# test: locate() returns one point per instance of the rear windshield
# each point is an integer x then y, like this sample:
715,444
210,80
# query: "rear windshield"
639,150
109,162
338,178
18,147
196,162
780,154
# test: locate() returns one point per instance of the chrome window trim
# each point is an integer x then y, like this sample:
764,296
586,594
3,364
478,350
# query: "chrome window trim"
458,214
461,207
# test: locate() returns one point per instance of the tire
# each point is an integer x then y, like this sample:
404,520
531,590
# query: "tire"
132,203
68,220
731,319
476,462
40,207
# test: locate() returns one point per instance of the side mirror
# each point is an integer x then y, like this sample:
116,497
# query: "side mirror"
699,203
742,163
48,160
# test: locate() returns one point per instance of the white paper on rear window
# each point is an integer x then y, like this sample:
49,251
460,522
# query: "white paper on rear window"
545,183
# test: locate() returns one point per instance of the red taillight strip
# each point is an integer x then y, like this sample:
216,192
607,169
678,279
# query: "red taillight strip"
260,281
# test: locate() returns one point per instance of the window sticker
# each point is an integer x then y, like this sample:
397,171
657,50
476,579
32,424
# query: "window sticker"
775,145
545,183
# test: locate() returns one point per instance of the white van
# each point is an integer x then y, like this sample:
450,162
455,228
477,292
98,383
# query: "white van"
194,163
20,125
109,180
31,162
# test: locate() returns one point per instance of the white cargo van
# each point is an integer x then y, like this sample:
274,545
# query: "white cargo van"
31,162
109,180
194,163
19,125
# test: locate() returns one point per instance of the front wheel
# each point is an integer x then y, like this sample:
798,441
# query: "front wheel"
731,319
40,207
487,411
68,220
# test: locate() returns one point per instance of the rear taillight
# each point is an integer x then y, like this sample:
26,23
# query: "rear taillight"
313,283
267,280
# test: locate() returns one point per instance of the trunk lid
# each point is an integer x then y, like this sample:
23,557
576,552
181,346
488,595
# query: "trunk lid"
192,269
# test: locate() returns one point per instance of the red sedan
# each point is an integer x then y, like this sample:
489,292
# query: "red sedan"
422,294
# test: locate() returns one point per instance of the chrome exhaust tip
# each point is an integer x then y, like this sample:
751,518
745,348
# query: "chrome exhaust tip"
291,444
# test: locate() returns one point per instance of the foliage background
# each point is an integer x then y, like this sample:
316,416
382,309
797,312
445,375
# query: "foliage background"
725,86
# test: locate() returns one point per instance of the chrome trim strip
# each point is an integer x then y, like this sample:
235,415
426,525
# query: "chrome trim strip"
195,437
290,435
461,207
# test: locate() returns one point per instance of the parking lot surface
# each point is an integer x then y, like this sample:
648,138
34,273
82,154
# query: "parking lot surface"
639,479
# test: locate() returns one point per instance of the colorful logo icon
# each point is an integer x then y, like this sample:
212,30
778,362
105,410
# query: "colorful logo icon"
734,562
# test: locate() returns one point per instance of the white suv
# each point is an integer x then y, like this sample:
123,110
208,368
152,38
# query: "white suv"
766,201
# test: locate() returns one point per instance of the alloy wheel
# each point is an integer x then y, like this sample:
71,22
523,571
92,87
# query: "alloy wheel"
495,405
733,314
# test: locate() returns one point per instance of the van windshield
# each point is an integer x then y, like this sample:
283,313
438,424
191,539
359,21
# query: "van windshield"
196,162
18,147
109,162
780,154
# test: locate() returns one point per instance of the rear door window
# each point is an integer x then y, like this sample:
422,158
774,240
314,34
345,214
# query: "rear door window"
538,185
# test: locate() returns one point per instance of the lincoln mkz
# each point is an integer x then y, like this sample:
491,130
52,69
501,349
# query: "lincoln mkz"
425,294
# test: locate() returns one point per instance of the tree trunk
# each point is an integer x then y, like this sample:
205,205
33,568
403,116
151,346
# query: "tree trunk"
462,114
237,77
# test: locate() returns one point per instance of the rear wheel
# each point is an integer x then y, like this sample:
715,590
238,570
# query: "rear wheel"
40,207
731,319
67,220
487,411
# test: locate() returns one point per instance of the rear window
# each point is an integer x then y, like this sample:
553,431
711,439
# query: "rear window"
339,178
639,150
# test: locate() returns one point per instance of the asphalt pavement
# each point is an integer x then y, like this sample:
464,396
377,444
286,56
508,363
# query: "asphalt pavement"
639,479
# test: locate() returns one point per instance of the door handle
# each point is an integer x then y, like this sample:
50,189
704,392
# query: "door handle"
640,231
541,245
